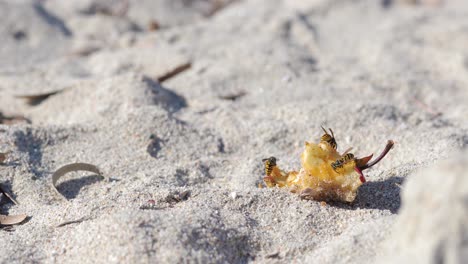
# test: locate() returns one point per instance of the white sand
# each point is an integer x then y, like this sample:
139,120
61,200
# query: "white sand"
370,72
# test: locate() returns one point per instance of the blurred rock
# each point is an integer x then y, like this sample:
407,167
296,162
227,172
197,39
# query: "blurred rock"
433,222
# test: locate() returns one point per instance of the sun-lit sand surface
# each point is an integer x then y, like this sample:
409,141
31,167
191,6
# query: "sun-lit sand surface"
177,103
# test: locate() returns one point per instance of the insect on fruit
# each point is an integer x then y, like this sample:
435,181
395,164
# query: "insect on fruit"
270,163
338,164
273,175
325,174
330,139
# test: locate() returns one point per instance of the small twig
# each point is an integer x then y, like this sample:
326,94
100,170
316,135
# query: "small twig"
83,52
217,5
233,96
73,222
2,190
179,69
273,255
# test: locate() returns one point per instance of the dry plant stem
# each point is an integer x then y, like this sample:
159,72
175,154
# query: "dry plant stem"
179,69
233,97
83,52
389,146
217,5
73,222
2,190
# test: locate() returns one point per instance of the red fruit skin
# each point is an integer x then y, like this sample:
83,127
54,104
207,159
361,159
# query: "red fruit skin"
361,176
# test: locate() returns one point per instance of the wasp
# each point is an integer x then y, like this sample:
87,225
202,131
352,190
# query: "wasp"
330,139
270,163
338,164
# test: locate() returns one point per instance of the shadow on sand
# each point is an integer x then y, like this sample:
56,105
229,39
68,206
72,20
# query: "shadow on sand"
381,195
71,188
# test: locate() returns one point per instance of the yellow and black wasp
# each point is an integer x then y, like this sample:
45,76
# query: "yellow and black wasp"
338,164
270,163
329,138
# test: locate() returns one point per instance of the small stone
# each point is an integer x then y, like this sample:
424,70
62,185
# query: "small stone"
233,195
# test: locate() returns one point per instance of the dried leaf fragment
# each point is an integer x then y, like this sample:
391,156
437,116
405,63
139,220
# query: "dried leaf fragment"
35,99
10,120
153,25
12,219
178,197
232,96
72,167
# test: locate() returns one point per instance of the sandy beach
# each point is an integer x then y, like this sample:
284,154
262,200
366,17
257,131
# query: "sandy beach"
177,102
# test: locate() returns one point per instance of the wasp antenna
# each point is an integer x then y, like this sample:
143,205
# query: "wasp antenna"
346,151
333,135
324,130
